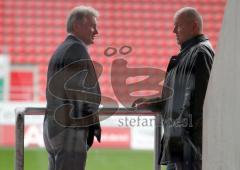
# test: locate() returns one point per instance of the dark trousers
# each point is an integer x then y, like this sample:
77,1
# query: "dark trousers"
67,150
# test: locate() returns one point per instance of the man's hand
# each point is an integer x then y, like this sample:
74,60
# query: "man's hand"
97,133
141,103
153,104
138,101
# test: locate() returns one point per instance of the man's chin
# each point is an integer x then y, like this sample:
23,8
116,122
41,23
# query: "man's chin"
89,43
179,42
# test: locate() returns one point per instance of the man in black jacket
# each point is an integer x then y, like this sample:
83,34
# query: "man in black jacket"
73,94
187,75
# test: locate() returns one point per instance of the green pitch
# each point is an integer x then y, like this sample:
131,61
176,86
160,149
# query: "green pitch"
100,159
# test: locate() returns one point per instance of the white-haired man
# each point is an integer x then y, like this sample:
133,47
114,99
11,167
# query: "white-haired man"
187,75
71,81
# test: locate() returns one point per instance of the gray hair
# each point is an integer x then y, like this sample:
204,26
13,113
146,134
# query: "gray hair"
192,14
79,13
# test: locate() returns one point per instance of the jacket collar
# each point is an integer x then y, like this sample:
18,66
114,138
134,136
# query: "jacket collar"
193,41
184,47
72,36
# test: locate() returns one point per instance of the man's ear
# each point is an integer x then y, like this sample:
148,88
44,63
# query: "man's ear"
76,25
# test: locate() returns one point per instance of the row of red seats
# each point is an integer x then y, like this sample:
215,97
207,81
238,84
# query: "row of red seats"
136,4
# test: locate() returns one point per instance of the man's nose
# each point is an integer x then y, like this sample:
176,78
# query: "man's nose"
174,30
95,31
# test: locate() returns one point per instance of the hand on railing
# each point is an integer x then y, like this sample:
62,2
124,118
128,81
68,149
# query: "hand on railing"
141,103
153,104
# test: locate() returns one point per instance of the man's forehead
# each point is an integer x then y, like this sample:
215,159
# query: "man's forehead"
176,17
180,17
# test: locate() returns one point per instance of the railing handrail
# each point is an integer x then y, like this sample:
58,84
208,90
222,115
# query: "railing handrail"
19,130
103,111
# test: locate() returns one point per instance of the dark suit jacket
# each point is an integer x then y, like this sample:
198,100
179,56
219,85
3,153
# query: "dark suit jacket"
65,89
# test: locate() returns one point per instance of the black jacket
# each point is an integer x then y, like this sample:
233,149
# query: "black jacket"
187,75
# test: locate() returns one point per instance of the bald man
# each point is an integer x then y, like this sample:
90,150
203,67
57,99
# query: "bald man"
187,74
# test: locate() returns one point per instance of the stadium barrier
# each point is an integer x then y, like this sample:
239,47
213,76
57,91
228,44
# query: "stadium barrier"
19,130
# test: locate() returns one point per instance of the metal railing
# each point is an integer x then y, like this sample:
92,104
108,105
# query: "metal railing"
19,130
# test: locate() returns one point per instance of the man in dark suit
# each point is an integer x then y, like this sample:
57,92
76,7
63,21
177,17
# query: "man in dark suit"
72,93
187,75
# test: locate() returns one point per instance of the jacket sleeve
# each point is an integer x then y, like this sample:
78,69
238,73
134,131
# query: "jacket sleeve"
75,75
196,89
157,104
202,71
78,82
